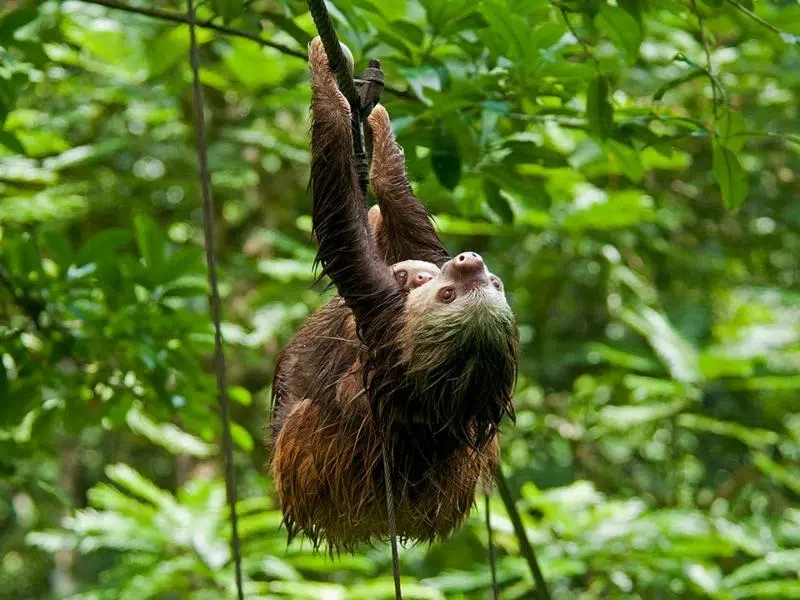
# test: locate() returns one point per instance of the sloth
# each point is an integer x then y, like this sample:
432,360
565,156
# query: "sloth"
410,274
417,355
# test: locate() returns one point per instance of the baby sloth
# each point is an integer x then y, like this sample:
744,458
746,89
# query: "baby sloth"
410,274
417,353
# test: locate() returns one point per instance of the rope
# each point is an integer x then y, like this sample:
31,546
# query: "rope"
524,545
219,355
387,478
492,565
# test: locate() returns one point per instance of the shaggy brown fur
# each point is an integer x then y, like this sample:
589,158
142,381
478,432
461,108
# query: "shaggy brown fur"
367,366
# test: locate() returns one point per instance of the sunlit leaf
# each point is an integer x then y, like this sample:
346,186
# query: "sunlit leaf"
788,476
168,436
103,245
623,28
598,107
621,417
731,128
730,176
751,436
497,202
150,240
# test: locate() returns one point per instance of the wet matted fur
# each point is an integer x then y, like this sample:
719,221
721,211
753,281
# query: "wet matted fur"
380,362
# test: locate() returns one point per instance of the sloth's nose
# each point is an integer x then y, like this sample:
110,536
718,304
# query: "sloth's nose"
421,278
468,262
468,268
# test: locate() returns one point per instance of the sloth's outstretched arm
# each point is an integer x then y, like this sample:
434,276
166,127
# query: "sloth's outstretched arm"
347,251
401,224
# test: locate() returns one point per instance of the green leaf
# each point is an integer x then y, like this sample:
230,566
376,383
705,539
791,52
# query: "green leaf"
497,202
56,246
750,436
14,20
782,589
227,9
622,417
184,261
789,477
730,176
445,157
83,155
730,129
525,152
441,12
133,481
288,26
241,437
10,141
168,436
240,395
772,563
678,355
623,29
103,246
634,7
599,111
510,31
150,240
109,498
690,76
627,160
408,31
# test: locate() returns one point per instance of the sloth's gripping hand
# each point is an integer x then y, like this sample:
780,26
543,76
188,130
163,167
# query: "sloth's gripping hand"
346,249
401,224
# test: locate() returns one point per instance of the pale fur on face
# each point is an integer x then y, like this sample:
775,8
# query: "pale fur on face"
433,328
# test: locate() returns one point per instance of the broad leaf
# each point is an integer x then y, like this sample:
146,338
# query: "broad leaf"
598,107
730,176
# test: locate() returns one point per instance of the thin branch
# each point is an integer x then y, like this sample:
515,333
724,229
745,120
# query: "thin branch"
214,300
522,537
759,20
580,40
709,67
167,15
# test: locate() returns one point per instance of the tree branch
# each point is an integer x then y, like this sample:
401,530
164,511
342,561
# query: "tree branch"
761,21
167,15
709,67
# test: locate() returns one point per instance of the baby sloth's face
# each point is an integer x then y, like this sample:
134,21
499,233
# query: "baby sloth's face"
411,274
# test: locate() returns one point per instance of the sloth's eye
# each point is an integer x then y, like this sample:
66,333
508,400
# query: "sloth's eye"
447,295
496,283
401,277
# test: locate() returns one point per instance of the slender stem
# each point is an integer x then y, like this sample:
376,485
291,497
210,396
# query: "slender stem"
492,554
580,40
758,19
214,301
709,68
167,15
522,537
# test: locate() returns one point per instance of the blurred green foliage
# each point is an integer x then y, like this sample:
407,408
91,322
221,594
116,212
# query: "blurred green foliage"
641,204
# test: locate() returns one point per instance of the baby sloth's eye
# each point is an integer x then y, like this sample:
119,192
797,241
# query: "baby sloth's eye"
496,283
401,277
447,295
